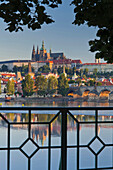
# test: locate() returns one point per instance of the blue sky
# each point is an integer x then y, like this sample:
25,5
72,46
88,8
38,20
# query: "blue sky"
61,36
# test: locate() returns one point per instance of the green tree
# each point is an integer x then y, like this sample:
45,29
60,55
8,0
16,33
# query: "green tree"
79,81
4,68
44,69
10,87
27,86
91,82
15,69
99,84
41,85
74,70
71,81
95,72
60,70
63,85
52,85
84,76
86,71
97,13
32,14
81,72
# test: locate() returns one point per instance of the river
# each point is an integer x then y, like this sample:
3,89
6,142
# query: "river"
40,135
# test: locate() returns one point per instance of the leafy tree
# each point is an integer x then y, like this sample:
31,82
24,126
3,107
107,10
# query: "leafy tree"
71,81
99,84
91,82
84,76
44,69
95,72
79,81
69,71
52,83
74,70
10,87
4,68
27,86
60,70
26,13
86,71
63,85
15,69
81,72
41,85
97,13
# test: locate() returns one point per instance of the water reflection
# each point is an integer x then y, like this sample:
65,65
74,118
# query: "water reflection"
40,133
46,102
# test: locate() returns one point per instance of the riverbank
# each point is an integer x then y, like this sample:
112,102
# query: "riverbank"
55,99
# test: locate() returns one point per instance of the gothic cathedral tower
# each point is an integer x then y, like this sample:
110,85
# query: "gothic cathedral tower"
33,53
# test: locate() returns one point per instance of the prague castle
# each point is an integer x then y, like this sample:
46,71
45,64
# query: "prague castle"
42,55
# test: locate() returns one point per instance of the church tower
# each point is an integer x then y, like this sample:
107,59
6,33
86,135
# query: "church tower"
29,68
37,50
50,51
43,45
64,72
33,54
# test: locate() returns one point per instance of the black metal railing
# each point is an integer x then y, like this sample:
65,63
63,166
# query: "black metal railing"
63,112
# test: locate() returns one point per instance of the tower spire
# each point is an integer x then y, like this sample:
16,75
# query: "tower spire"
33,53
43,45
37,50
50,51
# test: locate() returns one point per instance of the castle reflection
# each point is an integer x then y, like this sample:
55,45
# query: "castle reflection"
40,132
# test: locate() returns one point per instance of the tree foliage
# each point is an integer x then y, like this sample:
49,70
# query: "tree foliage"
18,13
4,68
27,86
97,13
10,87
44,69
63,85
23,69
52,83
41,85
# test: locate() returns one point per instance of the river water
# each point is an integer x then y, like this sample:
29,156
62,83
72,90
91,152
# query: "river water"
40,136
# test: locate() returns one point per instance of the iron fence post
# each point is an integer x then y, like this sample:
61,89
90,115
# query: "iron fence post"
64,140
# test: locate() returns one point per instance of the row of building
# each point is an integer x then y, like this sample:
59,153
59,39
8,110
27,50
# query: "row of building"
40,58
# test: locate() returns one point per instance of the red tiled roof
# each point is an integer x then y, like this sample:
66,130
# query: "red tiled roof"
47,61
63,61
77,61
5,80
105,80
95,63
107,84
5,74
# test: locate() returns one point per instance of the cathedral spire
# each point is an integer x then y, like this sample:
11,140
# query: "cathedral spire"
37,50
33,53
33,49
43,45
50,51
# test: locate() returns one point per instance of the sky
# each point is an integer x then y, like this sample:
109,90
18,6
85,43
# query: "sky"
61,36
